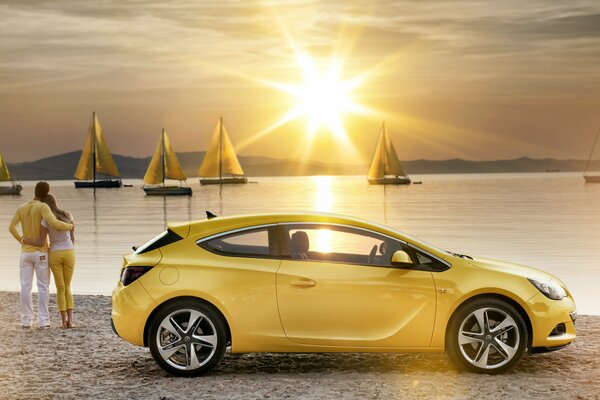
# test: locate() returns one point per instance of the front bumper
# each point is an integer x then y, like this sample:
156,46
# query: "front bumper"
538,350
546,316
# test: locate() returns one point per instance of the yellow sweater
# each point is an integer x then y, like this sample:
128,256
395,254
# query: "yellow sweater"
30,216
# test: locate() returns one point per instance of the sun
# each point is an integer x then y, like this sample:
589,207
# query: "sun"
323,97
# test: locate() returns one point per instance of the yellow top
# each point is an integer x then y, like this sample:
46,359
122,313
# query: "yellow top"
30,216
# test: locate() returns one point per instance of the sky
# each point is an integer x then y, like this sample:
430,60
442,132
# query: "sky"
451,79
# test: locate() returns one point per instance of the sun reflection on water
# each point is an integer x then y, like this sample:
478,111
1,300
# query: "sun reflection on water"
324,203
323,195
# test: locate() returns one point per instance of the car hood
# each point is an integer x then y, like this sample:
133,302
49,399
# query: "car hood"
512,268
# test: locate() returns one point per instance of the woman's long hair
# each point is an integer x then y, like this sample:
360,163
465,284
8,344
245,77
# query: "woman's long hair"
58,213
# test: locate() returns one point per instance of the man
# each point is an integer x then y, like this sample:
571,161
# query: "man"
35,259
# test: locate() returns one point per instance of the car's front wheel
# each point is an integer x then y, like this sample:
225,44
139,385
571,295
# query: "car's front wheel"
187,338
487,336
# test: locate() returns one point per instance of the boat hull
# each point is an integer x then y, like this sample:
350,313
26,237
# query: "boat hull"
397,180
224,181
592,178
113,183
168,191
14,189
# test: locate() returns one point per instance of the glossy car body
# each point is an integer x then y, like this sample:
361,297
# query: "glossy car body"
276,303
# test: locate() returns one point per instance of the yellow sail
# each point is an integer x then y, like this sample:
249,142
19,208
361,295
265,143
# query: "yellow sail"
220,157
377,169
393,166
164,163
173,169
154,173
385,160
85,168
95,143
4,174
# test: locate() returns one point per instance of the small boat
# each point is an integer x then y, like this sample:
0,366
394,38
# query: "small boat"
164,165
386,168
220,159
14,188
96,159
593,178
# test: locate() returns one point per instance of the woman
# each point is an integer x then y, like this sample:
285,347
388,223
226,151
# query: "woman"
62,259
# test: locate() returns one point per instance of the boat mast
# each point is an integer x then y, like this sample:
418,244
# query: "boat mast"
592,151
162,158
220,148
94,146
383,148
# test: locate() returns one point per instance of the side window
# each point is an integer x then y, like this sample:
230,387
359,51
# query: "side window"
258,242
341,244
429,263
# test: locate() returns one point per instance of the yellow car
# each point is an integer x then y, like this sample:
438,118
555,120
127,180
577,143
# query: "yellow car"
313,282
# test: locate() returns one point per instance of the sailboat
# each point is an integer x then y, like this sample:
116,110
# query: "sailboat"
15,188
164,165
386,168
96,159
220,159
596,177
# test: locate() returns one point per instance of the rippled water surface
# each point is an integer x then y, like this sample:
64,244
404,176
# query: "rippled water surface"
550,221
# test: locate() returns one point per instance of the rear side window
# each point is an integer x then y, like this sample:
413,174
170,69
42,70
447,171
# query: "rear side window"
259,242
162,239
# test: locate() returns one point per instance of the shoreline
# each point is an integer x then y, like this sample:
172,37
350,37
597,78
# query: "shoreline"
89,361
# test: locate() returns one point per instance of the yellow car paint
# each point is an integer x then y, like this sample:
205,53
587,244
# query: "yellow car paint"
285,305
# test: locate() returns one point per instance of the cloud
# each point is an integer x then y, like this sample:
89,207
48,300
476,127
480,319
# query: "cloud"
205,53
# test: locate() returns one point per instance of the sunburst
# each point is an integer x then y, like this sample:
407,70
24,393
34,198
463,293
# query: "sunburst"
323,98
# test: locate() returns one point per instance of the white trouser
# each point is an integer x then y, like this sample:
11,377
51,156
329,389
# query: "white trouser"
35,262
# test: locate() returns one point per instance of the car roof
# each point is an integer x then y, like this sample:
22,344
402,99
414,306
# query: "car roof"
207,227
225,223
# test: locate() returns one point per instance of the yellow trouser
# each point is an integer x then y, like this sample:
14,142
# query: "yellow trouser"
62,264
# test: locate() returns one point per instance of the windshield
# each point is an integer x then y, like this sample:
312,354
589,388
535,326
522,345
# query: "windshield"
412,239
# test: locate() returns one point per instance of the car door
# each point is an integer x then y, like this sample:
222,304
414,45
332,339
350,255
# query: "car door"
336,287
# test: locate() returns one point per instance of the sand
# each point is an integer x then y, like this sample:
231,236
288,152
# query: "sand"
89,361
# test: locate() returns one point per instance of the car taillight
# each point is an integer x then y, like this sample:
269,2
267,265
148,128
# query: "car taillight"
130,274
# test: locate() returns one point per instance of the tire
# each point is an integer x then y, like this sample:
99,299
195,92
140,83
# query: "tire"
182,350
494,349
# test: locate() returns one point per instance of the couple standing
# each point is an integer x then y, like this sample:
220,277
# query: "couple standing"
41,219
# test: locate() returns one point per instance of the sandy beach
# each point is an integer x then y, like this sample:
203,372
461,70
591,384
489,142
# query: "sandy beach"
89,361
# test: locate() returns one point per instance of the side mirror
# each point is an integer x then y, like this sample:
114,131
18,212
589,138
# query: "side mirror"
401,257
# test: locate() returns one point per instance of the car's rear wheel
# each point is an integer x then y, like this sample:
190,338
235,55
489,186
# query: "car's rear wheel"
187,338
487,336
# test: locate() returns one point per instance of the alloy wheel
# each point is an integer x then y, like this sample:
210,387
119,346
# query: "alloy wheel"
186,339
488,338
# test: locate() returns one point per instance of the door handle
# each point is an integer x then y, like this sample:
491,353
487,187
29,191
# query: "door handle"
303,283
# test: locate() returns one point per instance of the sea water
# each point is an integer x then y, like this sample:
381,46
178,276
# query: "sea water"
547,220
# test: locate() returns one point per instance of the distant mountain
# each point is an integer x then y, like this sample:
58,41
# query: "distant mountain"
63,166
523,164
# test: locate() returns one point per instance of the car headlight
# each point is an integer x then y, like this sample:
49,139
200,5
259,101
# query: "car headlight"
550,289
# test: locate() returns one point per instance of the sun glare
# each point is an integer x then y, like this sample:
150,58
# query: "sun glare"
323,97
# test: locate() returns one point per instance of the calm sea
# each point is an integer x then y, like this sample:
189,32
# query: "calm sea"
547,220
